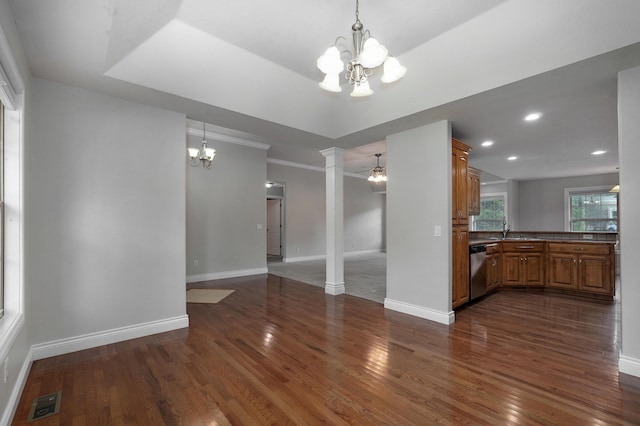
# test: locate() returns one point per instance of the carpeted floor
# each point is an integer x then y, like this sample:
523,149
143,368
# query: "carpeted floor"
365,275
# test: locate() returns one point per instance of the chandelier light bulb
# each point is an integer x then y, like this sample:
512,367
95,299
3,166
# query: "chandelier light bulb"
393,71
331,83
373,54
361,90
330,62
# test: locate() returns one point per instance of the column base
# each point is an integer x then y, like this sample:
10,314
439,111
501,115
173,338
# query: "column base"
334,289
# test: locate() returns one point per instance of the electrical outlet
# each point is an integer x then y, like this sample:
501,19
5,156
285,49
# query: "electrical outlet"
196,263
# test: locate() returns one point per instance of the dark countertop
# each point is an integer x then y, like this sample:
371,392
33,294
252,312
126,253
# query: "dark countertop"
544,240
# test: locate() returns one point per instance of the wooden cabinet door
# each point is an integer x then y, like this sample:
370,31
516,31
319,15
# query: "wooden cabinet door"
460,278
594,274
533,269
494,268
511,269
473,191
454,187
463,207
563,270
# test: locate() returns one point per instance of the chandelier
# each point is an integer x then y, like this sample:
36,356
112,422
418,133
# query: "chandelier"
367,54
202,156
378,173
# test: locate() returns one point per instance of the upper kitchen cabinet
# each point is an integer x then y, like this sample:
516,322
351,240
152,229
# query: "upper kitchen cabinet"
460,184
473,191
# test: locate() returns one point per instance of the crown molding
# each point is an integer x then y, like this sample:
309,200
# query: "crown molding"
308,167
221,134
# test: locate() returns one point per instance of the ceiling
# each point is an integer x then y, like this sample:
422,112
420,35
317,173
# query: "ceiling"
248,67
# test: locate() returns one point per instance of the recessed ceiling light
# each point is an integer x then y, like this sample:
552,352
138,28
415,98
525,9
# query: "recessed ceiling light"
598,152
513,157
487,143
533,116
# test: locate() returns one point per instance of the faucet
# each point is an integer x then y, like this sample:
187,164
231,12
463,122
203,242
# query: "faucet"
505,228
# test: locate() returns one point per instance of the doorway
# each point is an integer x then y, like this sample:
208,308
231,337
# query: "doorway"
275,221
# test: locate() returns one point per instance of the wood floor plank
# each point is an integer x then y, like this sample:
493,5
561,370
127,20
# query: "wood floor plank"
281,352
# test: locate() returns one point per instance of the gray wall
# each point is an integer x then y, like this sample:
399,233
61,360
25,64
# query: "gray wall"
419,263
629,152
541,202
538,205
225,206
305,213
106,196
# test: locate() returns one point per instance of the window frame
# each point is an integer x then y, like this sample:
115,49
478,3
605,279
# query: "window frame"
12,96
601,189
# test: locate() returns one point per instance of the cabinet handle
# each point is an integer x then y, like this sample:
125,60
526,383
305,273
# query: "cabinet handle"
525,247
574,261
493,263
578,248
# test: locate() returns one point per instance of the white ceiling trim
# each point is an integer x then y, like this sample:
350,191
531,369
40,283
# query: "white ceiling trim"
308,167
227,139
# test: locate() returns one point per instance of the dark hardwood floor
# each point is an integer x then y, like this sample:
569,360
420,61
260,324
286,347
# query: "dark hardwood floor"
281,352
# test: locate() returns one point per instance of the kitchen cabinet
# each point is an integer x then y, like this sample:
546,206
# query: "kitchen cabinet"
585,267
459,224
459,195
494,266
460,276
473,191
523,263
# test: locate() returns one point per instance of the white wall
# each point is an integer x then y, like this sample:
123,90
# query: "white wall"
225,206
541,202
419,263
629,152
105,196
305,213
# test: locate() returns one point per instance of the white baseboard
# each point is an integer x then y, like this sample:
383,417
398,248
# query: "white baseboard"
420,311
226,274
303,258
628,365
324,256
16,392
334,289
92,340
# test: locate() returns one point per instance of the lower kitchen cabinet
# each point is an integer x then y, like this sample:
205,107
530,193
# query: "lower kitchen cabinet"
586,267
460,279
523,264
494,266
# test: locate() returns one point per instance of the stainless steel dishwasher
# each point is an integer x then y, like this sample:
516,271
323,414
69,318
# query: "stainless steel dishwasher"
477,270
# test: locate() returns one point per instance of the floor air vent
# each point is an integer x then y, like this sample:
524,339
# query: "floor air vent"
45,406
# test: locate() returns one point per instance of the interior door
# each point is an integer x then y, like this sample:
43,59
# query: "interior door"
273,227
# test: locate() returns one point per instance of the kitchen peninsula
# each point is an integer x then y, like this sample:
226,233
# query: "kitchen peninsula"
573,263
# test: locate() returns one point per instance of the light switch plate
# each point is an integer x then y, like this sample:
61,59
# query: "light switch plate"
437,231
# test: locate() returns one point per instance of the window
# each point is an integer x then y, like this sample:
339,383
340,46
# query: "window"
593,209
492,212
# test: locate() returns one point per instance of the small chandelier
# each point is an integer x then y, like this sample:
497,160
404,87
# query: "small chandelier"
367,54
202,156
378,173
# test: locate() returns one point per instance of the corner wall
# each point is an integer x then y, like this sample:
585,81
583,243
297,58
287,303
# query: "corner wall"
226,212
629,153
418,262
106,196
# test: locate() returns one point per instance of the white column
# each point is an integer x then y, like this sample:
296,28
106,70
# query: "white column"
335,220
